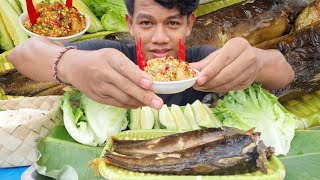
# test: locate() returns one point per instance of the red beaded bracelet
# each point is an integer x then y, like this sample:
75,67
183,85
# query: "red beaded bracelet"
55,64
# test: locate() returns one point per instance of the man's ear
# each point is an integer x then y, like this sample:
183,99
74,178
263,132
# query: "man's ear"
129,23
191,19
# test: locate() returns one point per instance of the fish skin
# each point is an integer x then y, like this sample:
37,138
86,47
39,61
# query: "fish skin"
16,84
123,37
301,50
173,142
57,90
257,21
308,16
221,157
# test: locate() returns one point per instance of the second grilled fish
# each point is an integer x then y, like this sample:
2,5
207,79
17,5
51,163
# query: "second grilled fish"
232,155
175,142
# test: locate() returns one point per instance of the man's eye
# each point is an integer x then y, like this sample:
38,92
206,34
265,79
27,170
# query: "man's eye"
173,23
146,23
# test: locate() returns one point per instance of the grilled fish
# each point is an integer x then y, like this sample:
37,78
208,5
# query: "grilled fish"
57,90
175,142
309,15
301,49
15,84
235,154
255,20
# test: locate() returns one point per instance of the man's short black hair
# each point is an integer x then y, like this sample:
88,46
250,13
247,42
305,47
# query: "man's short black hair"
186,7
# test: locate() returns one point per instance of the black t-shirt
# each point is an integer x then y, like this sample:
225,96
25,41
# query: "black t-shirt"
193,54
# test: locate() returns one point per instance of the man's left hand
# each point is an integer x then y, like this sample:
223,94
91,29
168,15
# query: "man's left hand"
233,67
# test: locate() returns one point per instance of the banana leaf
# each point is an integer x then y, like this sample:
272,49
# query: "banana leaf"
213,5
307,108
64,158
70,159
303,160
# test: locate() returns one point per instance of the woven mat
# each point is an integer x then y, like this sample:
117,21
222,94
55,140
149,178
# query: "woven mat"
18,143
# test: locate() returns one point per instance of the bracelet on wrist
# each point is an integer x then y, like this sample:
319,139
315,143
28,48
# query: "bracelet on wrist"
55,64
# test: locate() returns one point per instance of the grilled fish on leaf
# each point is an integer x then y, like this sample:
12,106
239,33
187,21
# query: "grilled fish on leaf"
309,15
175,142
124,37
301,49
16,84
57,90
235,154
257,21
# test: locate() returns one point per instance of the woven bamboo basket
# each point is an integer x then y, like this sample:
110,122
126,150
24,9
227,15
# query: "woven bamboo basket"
18,140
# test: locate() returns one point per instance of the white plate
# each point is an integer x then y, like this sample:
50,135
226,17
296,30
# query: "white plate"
24,15
172,87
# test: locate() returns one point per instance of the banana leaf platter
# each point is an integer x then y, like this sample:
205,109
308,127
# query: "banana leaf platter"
63,158
275,168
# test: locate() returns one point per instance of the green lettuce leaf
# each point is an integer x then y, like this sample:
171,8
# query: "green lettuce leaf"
104,120
259,109
98,7
89,122
115,17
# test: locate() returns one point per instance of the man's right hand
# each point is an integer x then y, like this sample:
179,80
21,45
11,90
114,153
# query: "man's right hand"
108,76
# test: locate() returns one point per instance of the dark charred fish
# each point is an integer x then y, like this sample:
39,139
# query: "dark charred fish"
310,15
235,154
124,37
57,90
257,21
302,51
15,84
175,142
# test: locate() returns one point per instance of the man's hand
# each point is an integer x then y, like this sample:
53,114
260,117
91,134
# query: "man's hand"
233,67
108,76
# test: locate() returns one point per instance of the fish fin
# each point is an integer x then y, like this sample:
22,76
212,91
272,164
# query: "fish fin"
250,131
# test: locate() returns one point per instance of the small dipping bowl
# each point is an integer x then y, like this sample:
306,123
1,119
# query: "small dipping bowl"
172,87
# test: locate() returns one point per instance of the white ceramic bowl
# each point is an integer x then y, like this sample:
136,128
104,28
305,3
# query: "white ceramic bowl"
172,87
24,15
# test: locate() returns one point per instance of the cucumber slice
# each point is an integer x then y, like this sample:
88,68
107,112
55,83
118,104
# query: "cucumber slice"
5,39
135,117
202,117
179,118
156,119
15,6
188,112
166,119
214,119
147,118
11,21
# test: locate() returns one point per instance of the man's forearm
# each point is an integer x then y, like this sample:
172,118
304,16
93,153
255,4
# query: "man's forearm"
275,72
35,58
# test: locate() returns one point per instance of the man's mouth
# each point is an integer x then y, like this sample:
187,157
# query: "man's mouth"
158,53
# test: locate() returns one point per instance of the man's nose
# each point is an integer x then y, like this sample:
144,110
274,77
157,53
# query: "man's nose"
160,36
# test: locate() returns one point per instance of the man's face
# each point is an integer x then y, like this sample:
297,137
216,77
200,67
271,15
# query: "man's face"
159,28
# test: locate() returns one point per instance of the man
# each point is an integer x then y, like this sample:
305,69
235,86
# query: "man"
108,72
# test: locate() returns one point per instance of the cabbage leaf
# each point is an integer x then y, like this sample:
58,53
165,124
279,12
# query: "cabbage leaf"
115,17
89,122
256,108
